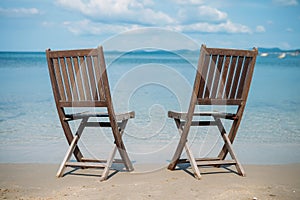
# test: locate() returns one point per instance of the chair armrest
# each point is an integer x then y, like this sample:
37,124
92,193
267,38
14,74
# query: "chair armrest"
182,115
124,116
177,115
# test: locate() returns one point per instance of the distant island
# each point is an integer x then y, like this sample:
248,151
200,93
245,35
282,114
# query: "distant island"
276,50
264,52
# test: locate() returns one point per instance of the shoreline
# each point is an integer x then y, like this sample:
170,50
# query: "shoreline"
38,181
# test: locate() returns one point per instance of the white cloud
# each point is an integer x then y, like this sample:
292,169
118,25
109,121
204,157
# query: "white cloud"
286,2
224,27
200,13
121,15
122,11
191,2
260,29
87,27
212,13
19,12
289,30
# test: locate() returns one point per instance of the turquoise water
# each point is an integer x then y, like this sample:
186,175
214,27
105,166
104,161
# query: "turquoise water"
150,83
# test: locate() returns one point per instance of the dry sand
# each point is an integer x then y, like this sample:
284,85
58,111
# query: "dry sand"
38,181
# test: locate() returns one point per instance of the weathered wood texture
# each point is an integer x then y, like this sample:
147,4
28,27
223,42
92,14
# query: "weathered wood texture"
223,77
79,79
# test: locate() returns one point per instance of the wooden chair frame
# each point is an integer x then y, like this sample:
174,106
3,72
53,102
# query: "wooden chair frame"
79,80
223,78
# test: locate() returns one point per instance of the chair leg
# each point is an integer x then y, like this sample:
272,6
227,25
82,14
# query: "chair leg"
233,156
223,153
68,133
177,154
228,147
120,145
67,156
108,164
72,147
192,162
181,144
113,153
232,133
189,152
128,165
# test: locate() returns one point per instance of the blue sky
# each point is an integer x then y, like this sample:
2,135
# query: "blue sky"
34,25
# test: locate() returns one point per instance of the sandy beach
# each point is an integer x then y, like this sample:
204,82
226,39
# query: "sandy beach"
38,181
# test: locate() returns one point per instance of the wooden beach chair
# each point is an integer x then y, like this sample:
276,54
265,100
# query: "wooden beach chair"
223,78
79,80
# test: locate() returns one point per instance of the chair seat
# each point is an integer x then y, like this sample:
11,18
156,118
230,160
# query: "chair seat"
119,117
183,115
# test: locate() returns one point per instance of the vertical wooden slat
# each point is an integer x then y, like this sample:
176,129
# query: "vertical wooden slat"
217,78
230,75
66,79
78,79
72,79
249,74
92,78
59,79
203,72
243,77
98,78
224,76
104,76
85,78
209,79
236,77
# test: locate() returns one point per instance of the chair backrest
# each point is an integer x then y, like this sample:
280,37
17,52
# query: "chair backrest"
79,77
224,76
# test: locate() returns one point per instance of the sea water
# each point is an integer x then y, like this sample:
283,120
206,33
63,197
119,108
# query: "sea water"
151,83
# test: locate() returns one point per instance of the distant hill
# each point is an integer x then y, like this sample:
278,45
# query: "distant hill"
275,50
